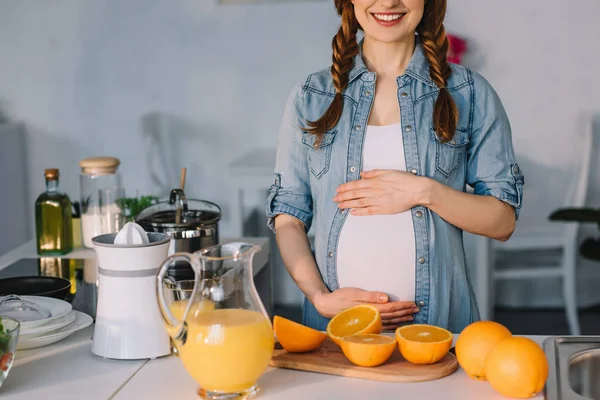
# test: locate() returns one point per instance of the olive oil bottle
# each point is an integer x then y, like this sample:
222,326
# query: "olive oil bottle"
53,218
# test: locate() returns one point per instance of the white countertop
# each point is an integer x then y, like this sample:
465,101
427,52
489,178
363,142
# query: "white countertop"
68,370
166,378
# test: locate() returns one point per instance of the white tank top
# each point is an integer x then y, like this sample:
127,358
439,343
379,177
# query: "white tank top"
377,252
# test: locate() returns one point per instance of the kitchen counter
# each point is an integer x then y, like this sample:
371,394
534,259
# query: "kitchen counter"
68,370
166,378
28,250
261,265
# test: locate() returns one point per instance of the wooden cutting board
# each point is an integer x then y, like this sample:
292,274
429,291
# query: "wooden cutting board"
329,359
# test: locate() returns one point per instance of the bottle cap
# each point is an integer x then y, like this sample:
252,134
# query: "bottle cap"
51,173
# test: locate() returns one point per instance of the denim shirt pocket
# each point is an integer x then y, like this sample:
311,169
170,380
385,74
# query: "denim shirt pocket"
319,157
448,155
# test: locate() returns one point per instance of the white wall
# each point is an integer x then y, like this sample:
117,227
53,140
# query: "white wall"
15,215
120,78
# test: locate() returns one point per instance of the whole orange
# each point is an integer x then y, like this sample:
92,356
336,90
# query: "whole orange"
517,367
475,342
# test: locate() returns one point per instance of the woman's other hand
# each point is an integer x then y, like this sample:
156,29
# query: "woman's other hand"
393,313
383,192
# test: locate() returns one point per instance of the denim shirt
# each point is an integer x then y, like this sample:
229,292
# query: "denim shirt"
480,155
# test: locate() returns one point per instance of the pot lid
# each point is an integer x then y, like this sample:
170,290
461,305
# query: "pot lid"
179,213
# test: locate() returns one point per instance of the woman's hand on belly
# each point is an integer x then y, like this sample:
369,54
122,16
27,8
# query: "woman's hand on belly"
382,192
396,313
393,313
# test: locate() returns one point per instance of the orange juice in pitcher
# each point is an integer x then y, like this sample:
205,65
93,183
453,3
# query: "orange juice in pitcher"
227,339
227,349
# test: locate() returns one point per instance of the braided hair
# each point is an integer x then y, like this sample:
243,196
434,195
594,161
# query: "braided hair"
345,48
435,46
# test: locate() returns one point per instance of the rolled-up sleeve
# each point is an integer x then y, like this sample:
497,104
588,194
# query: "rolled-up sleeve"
290,192
492,168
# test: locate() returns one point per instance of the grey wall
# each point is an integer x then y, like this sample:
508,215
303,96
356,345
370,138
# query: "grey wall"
15,213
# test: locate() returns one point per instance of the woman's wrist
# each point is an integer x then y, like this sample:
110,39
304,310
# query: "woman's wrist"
428,191
317,296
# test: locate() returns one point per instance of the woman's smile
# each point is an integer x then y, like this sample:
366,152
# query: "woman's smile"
388,18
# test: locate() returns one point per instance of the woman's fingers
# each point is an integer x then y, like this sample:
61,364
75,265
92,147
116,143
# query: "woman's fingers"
359,203
393,306
395,322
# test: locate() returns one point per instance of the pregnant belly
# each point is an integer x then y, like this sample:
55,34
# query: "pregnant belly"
378,253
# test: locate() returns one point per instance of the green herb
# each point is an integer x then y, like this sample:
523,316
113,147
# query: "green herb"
134,205
4,339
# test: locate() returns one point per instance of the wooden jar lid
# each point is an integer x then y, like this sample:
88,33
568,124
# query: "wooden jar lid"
99,165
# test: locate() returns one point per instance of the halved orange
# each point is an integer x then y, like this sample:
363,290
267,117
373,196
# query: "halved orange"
295,337
362,318
423,344
368,350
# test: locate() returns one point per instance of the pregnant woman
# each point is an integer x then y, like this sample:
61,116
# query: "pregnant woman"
375,154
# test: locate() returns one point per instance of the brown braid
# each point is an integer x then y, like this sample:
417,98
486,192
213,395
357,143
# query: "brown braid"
345,47
435,45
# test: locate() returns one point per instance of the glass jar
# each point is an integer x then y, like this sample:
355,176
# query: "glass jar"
101,193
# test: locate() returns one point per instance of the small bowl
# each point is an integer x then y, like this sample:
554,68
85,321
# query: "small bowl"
9,336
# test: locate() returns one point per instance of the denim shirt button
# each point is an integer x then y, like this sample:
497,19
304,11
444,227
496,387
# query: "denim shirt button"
358,127
404,94
352,169
330,254
367,93
421,260
419,213
408,128
421,303
414,171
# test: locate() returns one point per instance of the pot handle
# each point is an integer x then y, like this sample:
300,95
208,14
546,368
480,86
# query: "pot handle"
178,196
177,329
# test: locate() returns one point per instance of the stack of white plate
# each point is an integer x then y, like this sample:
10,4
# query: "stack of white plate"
41,329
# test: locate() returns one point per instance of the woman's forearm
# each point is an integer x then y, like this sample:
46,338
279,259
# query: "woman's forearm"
297,256
480,215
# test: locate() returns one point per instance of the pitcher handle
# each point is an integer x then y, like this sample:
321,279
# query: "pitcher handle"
178,329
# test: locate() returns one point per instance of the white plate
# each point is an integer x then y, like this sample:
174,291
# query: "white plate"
41,330
81,321
58,308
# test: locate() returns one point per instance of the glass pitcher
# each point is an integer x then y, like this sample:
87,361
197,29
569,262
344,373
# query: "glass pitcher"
222,333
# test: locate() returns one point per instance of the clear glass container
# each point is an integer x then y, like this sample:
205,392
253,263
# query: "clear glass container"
101,194
9,336
53,218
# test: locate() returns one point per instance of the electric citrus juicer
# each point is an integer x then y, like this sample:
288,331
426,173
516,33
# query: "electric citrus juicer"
222,333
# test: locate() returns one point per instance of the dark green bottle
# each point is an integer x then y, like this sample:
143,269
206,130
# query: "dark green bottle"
53,218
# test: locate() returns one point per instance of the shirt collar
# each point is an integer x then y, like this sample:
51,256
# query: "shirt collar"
418,67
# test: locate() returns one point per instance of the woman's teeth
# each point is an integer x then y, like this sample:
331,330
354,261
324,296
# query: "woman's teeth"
388,17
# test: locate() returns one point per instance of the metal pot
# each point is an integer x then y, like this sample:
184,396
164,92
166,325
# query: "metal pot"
192,224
